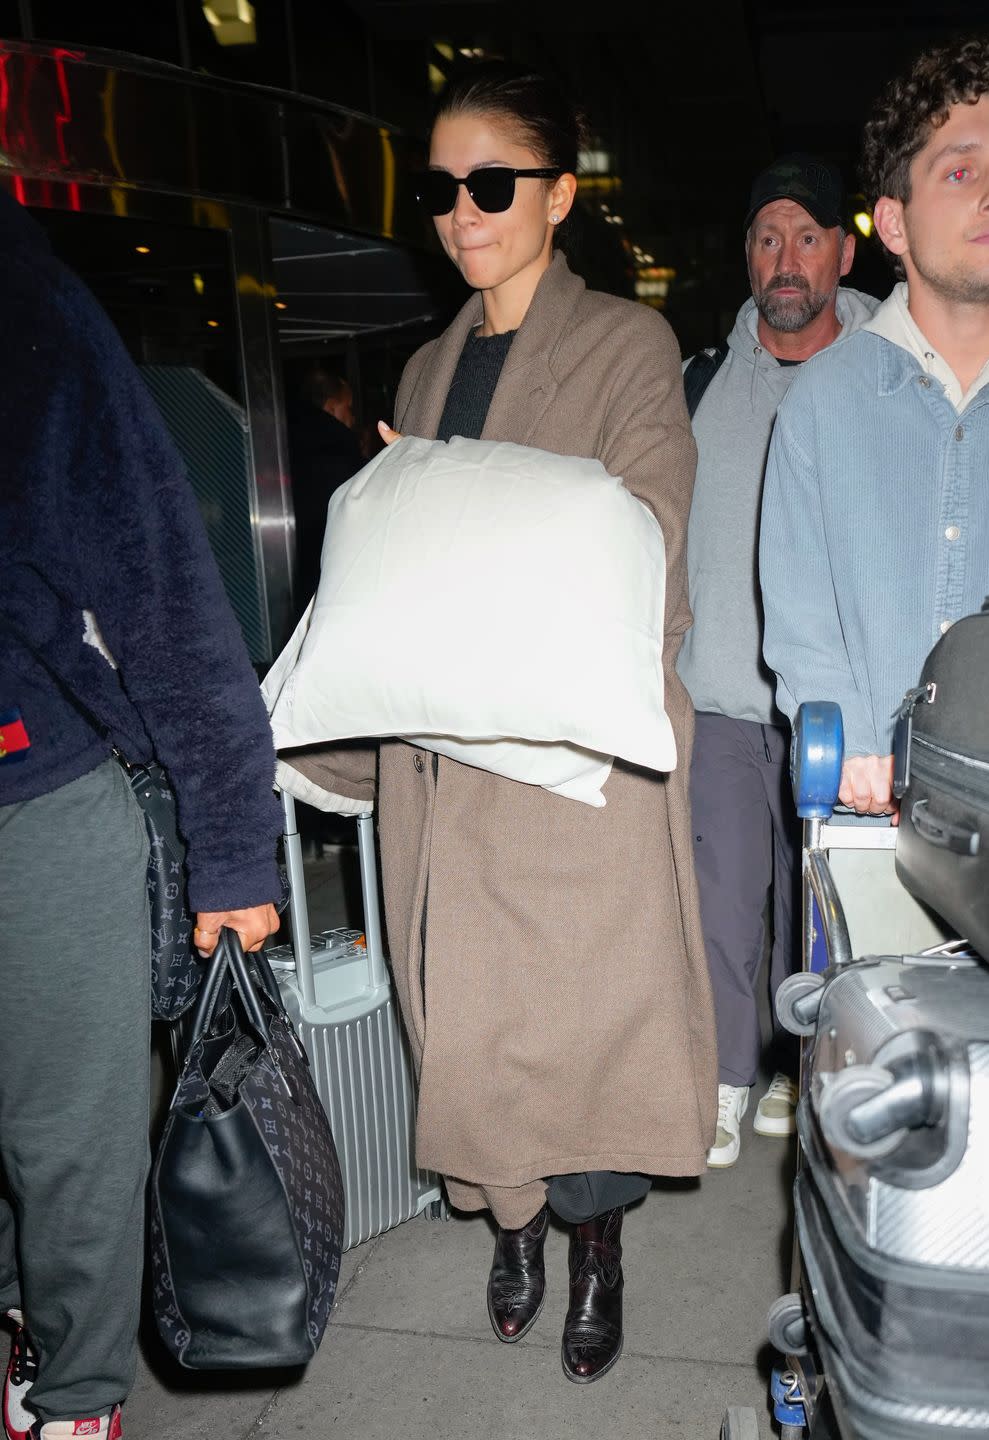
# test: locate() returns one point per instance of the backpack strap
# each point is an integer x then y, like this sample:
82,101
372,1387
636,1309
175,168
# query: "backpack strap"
699,373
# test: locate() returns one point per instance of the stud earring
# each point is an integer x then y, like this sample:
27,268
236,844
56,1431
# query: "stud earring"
554,219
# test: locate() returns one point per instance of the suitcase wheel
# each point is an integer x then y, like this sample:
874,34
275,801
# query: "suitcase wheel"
788,1325
740,1423
798,1002
437,1210
854,1116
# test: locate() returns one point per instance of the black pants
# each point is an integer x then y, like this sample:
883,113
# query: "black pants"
746,842
576,1198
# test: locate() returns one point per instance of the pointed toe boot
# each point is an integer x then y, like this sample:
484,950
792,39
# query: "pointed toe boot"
592,1331
517,1283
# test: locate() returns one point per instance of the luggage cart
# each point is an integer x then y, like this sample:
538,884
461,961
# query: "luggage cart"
815,769
809,1403
797,1386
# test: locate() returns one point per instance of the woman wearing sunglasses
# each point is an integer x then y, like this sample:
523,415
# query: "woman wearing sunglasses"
569,1050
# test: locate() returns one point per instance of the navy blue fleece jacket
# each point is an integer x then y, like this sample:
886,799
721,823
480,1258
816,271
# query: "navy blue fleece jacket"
96,516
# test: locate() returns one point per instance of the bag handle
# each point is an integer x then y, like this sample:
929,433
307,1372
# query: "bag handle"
229,963
959,839
229,943
231,968
240,964
209,999
266,975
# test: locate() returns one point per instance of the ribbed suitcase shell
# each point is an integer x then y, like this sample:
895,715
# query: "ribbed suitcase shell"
895,1250
353,1035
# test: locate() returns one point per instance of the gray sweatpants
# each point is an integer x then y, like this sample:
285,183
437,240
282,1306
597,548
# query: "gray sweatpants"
74,1080
746,840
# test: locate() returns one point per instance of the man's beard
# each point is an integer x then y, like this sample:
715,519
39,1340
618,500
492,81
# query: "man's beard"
789,313
958,286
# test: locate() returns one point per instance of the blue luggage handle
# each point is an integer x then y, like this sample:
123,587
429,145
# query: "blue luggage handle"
816,753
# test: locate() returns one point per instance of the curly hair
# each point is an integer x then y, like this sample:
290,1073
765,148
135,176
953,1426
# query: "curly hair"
911,107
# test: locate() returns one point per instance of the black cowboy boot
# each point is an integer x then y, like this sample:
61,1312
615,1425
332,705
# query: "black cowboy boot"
592,1331
517,1283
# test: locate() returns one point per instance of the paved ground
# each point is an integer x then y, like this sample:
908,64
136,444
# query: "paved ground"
409,1352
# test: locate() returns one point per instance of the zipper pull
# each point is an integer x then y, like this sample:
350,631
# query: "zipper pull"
919,695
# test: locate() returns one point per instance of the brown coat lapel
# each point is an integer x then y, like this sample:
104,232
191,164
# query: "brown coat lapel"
527,385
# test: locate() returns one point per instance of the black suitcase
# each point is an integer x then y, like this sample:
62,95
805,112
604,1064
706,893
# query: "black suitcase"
942,778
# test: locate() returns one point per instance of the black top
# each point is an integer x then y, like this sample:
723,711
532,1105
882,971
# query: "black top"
473,385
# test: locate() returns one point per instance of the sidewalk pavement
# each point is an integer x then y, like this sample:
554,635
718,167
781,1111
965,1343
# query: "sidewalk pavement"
409,1353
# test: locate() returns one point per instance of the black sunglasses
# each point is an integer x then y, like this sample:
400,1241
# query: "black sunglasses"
492,188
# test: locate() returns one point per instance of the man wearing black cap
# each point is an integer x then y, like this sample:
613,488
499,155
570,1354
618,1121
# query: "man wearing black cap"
745,832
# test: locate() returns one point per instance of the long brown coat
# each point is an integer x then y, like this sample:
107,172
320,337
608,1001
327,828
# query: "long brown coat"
567,1022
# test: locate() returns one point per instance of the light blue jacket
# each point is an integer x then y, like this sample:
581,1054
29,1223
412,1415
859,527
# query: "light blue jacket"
875,531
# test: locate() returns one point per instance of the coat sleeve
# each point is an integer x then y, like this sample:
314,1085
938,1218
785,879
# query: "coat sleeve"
149,576
340,779
803,639
650,445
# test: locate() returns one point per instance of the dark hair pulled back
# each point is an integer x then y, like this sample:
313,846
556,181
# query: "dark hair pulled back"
528,105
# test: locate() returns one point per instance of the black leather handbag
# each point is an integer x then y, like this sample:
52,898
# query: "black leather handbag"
247,1200
176,968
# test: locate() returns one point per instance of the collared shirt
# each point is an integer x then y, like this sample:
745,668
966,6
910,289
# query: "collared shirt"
875,530
894,322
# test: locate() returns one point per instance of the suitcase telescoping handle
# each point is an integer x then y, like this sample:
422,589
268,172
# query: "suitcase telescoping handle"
299,910
377,970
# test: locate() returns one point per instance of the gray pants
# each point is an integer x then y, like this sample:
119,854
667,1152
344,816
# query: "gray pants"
746,840
74,1080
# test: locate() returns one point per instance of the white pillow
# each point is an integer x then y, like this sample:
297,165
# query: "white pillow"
495,603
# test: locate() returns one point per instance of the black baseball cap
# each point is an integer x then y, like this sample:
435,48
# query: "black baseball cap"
813,183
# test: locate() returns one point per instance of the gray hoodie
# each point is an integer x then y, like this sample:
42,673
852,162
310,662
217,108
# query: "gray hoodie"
721,661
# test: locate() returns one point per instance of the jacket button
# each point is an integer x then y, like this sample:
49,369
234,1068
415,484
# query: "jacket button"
925,380
419,763
960,433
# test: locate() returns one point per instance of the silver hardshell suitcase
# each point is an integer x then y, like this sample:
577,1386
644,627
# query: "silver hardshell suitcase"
886,1333
338,993
892,1202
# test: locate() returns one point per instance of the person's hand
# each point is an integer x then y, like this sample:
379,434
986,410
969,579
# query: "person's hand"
388,435
867,786
253,925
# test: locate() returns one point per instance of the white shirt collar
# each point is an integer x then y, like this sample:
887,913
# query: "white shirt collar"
894,322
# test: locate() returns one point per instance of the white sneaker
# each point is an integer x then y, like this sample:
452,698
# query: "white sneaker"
776,1112
19,1420
733,1101
105,1428
18,1417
